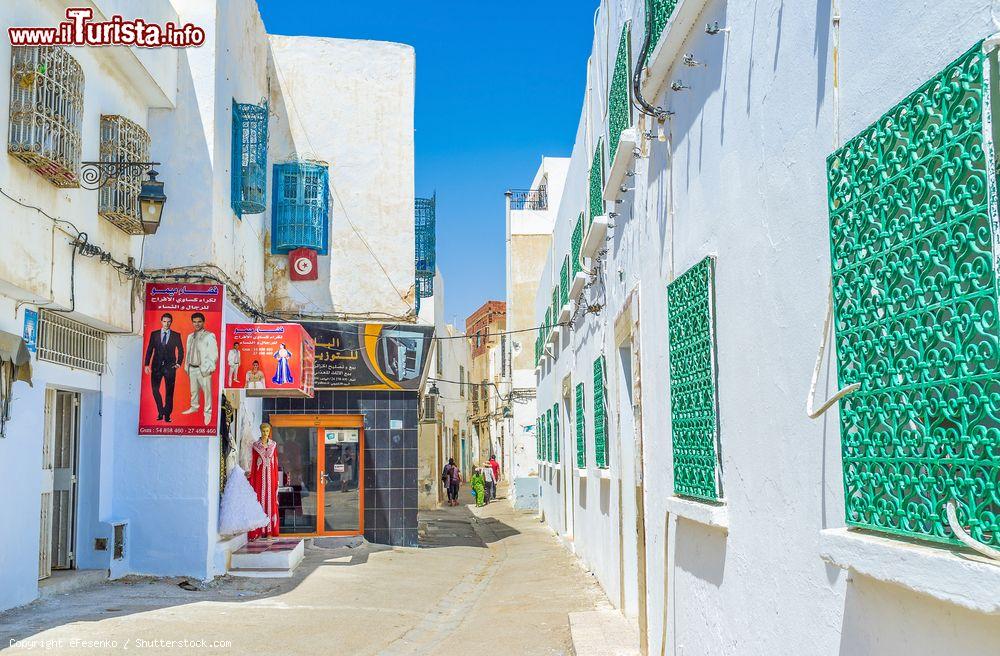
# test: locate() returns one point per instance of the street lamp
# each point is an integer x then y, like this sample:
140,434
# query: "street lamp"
151,202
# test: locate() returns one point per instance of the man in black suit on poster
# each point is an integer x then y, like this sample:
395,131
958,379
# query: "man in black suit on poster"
164,355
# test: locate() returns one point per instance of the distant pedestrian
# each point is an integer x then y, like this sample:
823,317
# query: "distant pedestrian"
496,473
451,477
490,483
478,484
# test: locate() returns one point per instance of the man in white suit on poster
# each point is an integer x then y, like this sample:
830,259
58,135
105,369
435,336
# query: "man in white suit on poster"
200,364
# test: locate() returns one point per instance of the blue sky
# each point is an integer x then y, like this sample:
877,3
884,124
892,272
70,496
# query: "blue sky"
499,85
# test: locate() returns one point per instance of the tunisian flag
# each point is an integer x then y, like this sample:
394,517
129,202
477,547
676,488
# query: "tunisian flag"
264,481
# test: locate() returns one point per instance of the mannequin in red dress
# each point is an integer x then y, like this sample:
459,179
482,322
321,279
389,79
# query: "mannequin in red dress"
264,481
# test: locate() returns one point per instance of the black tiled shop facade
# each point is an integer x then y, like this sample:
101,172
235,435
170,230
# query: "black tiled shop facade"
390,455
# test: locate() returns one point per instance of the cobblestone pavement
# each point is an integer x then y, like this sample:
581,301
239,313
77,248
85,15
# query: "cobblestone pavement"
484,579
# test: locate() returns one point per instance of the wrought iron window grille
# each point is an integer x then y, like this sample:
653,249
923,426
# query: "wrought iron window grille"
71,343
248,169
425,248
120,172
913,237
300,206
693,394
46,112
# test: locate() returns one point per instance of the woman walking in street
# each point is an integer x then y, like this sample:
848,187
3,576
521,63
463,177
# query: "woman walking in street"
479,487
452,479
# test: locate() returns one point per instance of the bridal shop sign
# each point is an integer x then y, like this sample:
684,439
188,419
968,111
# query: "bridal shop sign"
269,359
179,387
370,356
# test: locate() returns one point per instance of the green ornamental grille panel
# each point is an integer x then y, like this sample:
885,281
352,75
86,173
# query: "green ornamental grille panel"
913,218
538,438
600,418
548,323
619,100
564,283
576,244
661,11
555,433
581,429
693,401
597,182
548,435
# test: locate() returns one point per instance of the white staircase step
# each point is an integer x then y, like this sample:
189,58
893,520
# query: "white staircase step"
266,558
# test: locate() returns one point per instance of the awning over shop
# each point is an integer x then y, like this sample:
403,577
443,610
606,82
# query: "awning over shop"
14,355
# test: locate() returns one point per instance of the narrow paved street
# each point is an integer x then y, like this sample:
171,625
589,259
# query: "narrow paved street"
487,576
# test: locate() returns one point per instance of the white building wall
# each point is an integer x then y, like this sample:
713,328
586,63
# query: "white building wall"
38,269
742,177
350,104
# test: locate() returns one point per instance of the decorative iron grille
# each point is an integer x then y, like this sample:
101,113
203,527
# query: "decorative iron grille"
581,429
619,97
693,397
65,341
913,232
46,112
660,11
249,165
555,433
555,306
597,182
425,219
564,283
576,245
122,140
529,199
300,214
600,415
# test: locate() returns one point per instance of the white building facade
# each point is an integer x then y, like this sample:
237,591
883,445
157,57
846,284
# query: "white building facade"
86,491
693,257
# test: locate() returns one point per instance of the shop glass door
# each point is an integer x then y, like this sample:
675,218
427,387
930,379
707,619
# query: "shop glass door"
298,494
341,480
320,460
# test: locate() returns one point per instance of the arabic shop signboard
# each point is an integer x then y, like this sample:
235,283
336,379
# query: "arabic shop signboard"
179,388
370,356
269,359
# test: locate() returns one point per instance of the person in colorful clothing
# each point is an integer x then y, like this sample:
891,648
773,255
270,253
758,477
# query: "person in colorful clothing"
478,484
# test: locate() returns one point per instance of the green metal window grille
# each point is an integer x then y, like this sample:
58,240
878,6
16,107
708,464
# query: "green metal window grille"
548,322
538,438
576,245
913,232
581,429
555,304
248,174
660,11
555,433
597,182
548,435
619,98
300,207
693,398
425,249
600,416
564,283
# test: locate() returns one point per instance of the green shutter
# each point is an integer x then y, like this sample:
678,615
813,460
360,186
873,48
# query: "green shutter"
581,429
600,416
914,235
619,97
548,435
597,182
555,433
564,283
555,304
693,405
576,245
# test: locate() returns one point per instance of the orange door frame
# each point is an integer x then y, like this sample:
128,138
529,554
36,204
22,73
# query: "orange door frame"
321,422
